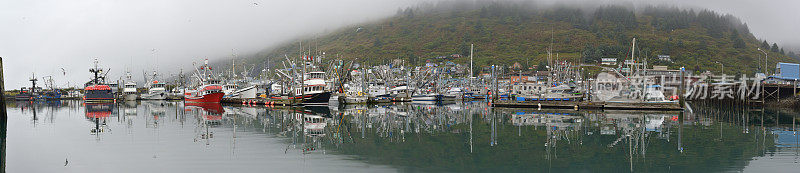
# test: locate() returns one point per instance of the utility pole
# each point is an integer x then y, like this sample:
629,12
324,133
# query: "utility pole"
766,61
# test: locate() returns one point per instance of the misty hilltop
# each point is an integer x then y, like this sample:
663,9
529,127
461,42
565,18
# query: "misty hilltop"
506,33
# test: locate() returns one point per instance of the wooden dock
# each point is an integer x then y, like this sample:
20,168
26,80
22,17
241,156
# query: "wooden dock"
587,105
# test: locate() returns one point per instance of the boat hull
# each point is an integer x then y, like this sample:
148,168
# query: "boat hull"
131,97
23,97
207,98
317,99
99,96
355,100
426,98
245,93
155,96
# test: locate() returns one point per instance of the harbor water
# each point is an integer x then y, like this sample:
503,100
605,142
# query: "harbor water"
164,136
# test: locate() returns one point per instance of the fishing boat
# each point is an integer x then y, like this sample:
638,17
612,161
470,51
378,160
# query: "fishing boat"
354,94
98,93
426,96
544,92
95,90
23,94
52,94
453,94
401,93
129,91
208,90
378,93
156,91
209,93
313,90
234,91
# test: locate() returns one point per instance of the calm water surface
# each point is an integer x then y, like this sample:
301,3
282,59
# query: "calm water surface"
160,136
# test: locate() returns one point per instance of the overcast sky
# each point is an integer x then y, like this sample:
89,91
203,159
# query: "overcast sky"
44,36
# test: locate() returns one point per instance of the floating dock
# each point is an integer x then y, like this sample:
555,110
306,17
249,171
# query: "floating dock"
587,105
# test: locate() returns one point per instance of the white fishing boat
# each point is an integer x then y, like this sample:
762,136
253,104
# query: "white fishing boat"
377,93
426,97
453,94
129,90
156,90
545,92
401,93
354,94
234,91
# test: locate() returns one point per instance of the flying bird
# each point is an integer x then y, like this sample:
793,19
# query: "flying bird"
64,71
254,3
66,161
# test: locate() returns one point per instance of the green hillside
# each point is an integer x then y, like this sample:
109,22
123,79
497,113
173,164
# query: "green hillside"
508,33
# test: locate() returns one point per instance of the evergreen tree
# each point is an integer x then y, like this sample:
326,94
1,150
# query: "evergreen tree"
765,45
542,66
774,47
738,42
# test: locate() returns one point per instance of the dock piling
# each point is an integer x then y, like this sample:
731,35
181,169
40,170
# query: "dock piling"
3,120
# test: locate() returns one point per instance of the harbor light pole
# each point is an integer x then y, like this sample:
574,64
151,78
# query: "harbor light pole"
766,60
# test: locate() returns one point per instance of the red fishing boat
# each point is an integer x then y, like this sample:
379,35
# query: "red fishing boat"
211,93
98,93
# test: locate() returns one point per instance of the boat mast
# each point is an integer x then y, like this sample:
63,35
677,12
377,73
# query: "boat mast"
33,82
470,60
96,71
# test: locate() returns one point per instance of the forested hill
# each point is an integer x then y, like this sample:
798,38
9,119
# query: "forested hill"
508,33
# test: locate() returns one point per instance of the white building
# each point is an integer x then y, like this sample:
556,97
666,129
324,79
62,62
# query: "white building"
608,61
666,58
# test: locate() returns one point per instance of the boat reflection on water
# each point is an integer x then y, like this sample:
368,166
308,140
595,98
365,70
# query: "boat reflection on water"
607,141
209,115
460,137
157,110
99,113
211,112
